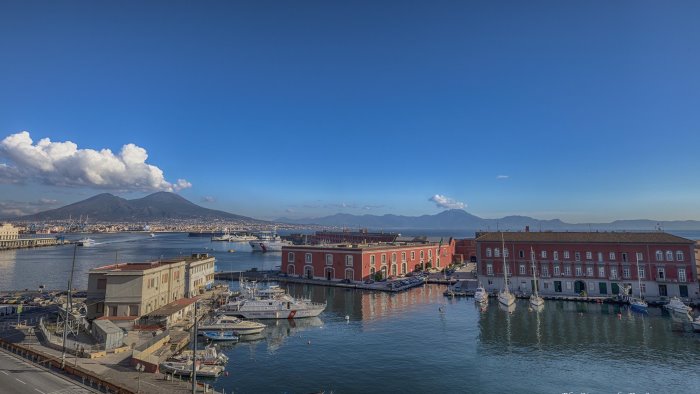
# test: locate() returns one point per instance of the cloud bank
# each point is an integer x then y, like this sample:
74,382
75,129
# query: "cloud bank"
12,208
502,176
64,164
446,202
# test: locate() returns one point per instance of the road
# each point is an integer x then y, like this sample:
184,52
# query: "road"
20,376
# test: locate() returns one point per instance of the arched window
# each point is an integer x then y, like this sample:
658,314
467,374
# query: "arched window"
497,252
290,257
669,255
290,269
350,274
488,252
659,255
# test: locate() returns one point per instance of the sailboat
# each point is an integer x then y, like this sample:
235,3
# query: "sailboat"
638,304
505,297
535,299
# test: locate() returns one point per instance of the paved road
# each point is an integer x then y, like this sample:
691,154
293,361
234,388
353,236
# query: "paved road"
19,376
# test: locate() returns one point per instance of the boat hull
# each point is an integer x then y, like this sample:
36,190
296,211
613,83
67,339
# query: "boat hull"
506,299
280,314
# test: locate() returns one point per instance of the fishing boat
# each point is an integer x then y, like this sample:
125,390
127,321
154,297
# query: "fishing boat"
86,242
676,305
505,297
535,299
219,335
480,294
230,323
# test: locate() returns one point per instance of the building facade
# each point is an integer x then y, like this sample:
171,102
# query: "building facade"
8,232
360,262
137,289
599,264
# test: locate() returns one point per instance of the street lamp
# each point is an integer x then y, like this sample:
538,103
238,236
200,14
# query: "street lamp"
139,367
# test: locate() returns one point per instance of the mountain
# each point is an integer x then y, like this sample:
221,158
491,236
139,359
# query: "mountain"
110,208
457,219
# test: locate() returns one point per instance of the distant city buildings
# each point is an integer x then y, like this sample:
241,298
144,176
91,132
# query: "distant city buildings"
9,239
597,263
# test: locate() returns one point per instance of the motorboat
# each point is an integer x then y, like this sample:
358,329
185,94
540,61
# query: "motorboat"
637,304
185,369
86,242
480,295
268,241
271,304
676,305
220,335
230,323
152,235
207,356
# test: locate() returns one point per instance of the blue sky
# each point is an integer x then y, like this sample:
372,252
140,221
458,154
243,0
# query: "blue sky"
579,110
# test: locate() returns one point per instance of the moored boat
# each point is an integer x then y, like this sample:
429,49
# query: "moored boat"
676,305
505,297
535,300
480,295
230,323
219,335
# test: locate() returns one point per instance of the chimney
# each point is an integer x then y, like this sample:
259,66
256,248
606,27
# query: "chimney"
527,229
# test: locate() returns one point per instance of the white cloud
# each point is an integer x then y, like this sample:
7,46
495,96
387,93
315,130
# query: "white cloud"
502,176
446,202
64,164
11,208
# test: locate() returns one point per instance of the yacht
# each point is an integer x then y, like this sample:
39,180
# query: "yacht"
480,295
676,305
87,242
505,297
229,323
269,304
535,299
268,241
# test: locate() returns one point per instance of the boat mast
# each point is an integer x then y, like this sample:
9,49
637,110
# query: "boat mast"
534,275
639,279
505,268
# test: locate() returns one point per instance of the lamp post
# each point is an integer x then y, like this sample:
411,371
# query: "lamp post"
140,368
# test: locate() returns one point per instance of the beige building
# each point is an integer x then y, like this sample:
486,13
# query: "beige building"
9,239
127,291
8,232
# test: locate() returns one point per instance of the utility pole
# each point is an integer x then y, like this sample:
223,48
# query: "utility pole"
194,352
69,302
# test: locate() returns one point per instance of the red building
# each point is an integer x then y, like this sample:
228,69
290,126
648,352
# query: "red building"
359,262
599,263
465,250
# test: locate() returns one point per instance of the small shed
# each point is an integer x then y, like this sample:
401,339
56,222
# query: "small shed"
107,334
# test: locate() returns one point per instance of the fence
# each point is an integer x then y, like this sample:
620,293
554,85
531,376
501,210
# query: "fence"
73,347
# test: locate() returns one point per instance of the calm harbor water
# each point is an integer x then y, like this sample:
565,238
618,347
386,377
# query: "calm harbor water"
402,342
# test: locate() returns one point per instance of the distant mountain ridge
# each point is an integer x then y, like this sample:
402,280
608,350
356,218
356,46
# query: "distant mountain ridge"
157,206
458,219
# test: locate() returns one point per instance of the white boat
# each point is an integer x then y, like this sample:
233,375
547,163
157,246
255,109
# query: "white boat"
229,323
505,297
268,241
242,238
207,356
152,235
480,295
252,304
185,369
229,336
225,237
696,324
535,299
87,242
677,305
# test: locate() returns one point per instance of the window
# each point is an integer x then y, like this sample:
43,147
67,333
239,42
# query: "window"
589,256
613,273
589,271
371,260
679,256
579,271
101,284
100,307
545,271
489,269
413,255
567,270
488,253
556,270
625,272
577,256
430,253
640,256
681,275
521,254
643,288
659,255
403,256
290,257
308,258
660,273
487,250
600,257
497,252
601,272
505,252
669,255
384,259
556,256
522,269
348,260
543,254
393,258
641,272
624,257
329,259
566,255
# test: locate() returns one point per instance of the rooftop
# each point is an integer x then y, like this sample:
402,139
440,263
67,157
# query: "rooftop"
364,246
142,266
584,237
172,307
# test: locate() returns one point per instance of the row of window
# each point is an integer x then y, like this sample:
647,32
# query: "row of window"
308,257
589,255
661,272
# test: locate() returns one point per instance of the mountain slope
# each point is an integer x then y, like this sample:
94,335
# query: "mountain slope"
157,206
